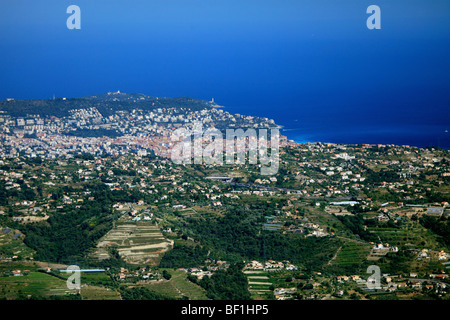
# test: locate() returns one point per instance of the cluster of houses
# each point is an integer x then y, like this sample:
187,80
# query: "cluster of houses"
284,293
207,270
392,283
144,273
139,130
425,254
270,265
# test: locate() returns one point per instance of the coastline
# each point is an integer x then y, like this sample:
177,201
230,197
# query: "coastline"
419,136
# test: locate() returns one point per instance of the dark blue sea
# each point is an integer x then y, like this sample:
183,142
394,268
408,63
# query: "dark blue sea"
333,125
411,135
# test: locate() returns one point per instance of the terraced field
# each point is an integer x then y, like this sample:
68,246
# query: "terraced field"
258,282
409,236
136,242
352,253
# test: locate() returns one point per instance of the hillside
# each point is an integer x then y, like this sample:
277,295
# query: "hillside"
106,104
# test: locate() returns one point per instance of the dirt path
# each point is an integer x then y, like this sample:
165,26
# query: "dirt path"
335,255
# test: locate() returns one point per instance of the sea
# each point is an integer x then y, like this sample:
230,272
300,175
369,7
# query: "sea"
415,131
409,135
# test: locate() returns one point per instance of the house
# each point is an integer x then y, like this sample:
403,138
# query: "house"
279,291
291,267
255,265
382,218
442,255
118,206
342,278
391,288
423,253
17,273
441,285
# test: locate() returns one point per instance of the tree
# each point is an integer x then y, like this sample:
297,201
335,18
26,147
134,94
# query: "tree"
166,275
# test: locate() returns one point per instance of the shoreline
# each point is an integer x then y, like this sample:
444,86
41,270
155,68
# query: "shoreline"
406,136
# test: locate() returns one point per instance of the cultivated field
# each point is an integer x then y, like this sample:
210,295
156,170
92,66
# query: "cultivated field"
413,235
137,242
258,282
35,284
178,286
98,293
352,253
11,244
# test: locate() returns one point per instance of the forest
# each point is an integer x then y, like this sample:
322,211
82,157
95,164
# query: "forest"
183,256
239,236
441,227
356,225
229,284
67,235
